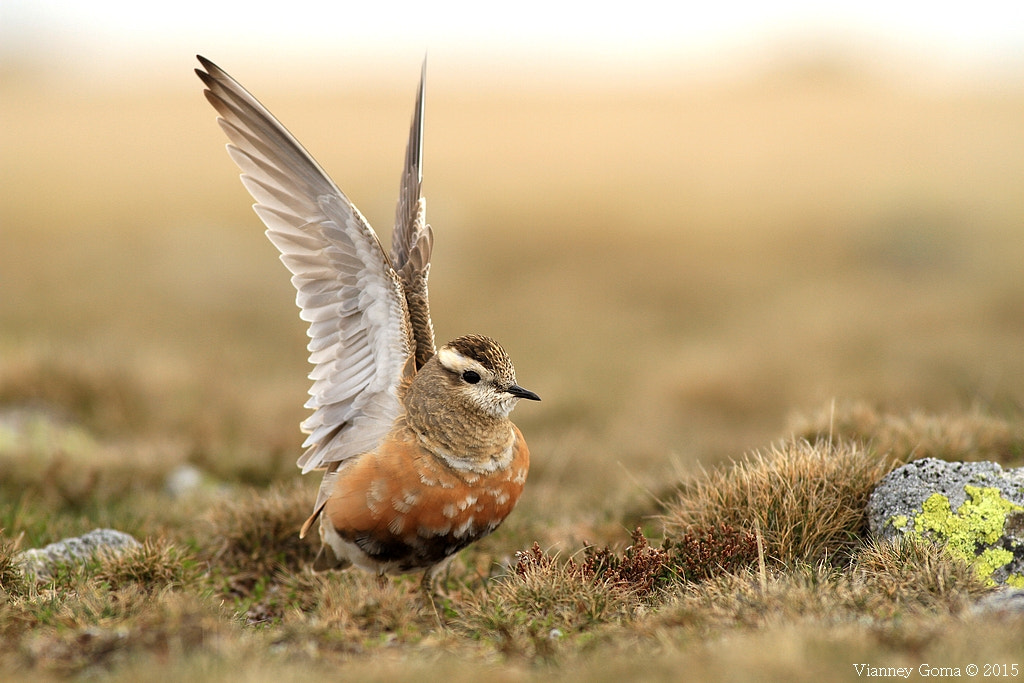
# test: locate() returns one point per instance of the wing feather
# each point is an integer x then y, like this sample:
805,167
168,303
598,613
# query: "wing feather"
361,339
412,240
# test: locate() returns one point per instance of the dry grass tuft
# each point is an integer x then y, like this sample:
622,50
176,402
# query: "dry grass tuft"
12,580
156,565
348,612
92,632
961,436
917,572
808,500
93,617
884,581
252,536
544,601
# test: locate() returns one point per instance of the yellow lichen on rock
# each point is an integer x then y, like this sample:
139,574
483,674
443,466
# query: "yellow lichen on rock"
977,523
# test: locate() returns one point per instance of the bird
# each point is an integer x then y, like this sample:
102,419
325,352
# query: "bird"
419,456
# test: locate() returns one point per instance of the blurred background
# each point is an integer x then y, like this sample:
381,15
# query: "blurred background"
689,226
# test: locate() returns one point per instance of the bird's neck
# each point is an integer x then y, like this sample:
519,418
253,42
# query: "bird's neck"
464,437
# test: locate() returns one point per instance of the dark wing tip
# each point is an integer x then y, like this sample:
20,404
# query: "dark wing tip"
212,73
207,64
209,76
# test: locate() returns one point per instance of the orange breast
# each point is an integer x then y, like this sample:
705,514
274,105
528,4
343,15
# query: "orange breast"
402,504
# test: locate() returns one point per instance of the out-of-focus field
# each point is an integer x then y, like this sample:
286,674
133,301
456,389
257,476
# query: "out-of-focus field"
680,270
674,269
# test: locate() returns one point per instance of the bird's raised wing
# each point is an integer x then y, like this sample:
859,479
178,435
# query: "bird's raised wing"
412,239
361,341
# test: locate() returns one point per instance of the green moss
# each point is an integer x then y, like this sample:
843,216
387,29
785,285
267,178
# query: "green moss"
977,523
1015,580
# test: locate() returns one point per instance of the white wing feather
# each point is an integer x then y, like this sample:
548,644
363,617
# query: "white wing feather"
361,340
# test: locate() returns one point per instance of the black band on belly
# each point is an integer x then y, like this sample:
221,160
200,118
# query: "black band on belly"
413,552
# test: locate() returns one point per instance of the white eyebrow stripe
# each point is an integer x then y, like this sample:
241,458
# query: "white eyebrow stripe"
454,361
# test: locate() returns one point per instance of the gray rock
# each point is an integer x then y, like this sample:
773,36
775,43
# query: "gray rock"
1004,600
39,563
975,508
903,491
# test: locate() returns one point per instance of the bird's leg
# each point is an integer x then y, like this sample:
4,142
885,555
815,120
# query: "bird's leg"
427,590
427,583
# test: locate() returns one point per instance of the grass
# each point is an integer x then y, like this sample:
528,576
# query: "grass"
807,500
741,309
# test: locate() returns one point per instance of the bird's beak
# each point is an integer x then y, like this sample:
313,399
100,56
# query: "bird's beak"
519,392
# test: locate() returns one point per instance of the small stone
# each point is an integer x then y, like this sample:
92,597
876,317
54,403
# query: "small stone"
39,563
183,481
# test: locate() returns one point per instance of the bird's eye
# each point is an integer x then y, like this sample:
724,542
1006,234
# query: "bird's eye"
470,377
